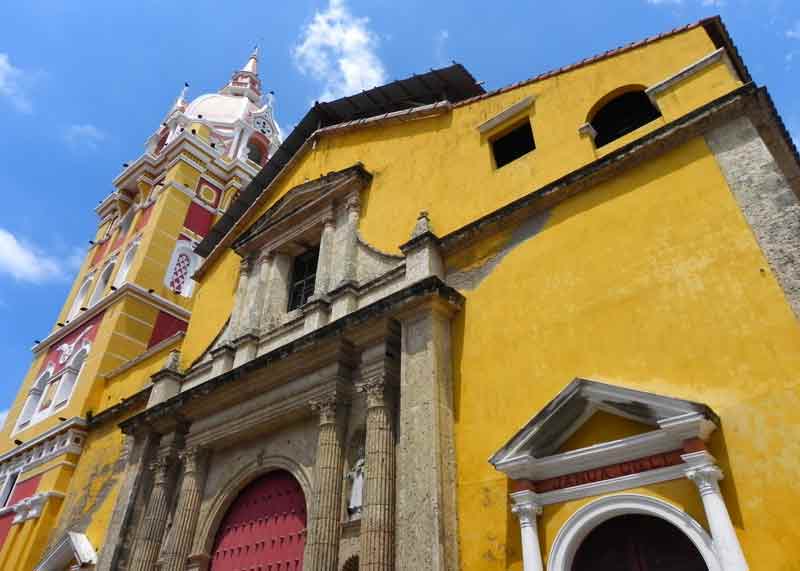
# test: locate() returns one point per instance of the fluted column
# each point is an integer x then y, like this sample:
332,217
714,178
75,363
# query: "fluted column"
323,547
185,520
706,475
377,513
151,529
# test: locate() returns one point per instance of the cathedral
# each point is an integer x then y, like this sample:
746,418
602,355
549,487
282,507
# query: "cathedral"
549,327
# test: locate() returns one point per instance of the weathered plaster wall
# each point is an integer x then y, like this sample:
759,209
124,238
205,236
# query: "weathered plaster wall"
653,281
443,165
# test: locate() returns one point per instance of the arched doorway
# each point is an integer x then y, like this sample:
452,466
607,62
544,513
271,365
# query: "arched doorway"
637,542
265,527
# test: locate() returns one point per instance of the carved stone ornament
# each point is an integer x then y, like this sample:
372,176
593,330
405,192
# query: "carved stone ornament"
423,225
375,389
706,478
325,407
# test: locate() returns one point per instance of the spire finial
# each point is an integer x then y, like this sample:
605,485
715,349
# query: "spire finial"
252,61
181,100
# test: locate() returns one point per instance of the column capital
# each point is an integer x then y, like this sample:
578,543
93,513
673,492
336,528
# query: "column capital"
353,203
245,265
265,256
376,388
326,407
706,478
192,458
160,469
526,506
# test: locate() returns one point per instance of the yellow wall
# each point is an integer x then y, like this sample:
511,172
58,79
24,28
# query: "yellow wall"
652,281
453,176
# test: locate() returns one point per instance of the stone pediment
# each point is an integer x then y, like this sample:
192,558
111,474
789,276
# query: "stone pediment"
302,204
533,452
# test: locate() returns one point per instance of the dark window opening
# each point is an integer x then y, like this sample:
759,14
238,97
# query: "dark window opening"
514,144
304,273
254,152
623,115
637,543
8,487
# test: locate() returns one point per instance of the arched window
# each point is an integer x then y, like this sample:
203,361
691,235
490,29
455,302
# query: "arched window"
621,115
256,151
34,398
70,377
127,262
80,298
102,283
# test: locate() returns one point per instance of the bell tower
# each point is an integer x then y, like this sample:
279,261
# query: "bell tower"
132,298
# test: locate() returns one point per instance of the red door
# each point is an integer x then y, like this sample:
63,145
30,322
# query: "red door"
264,529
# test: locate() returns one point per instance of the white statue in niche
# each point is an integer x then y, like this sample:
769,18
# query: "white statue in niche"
356,477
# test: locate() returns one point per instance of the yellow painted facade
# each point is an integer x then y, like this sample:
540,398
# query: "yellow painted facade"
652,280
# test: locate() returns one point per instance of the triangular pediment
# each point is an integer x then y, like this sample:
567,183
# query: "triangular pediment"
651,422
303,202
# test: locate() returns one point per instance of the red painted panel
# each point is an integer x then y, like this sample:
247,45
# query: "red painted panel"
166,326
198,219
24,490
100,251
144,216
21,491
87,333
264,529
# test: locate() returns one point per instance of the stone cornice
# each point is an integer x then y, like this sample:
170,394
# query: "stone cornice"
431,291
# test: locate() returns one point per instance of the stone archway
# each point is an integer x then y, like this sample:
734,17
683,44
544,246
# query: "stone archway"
264,527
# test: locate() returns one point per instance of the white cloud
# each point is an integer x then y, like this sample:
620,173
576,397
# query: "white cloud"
84,137
440,40
26,263
11,85
793,33
339,50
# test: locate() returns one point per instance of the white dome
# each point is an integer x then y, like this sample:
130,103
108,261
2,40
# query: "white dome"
220,108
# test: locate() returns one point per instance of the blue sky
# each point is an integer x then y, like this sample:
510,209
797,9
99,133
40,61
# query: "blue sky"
84,83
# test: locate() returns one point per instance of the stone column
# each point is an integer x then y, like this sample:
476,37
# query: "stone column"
323,539
527,509
277,291
426,487
706,475
185,520
322,279
234,327
151,529
377,513
349,251
255,307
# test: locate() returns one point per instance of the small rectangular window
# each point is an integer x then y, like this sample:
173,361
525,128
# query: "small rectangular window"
304,273
514,144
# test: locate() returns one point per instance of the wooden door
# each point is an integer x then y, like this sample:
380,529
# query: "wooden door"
637,543
264,529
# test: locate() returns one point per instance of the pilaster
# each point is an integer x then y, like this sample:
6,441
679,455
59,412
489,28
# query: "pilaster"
325,262
426,503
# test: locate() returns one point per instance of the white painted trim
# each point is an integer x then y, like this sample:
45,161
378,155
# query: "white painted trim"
507,114
706,61
637,480
74,546
74,422
583,521
526,467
